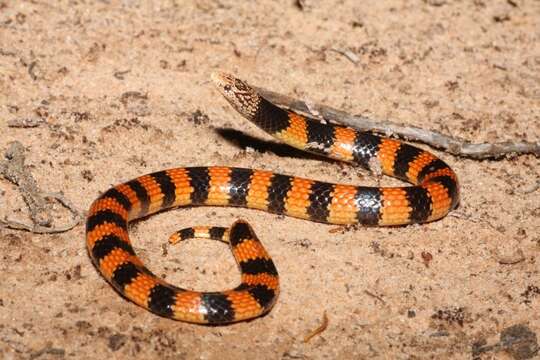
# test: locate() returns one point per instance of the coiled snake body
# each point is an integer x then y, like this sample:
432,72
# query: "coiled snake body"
434,193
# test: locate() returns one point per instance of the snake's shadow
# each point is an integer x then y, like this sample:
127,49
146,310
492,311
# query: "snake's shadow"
244,141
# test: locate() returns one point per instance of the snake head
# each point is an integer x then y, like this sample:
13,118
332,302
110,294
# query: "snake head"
238,93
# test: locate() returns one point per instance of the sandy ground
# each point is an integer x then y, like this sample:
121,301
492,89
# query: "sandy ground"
122,89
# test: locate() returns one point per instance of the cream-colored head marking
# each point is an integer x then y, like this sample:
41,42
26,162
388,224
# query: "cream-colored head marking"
238,93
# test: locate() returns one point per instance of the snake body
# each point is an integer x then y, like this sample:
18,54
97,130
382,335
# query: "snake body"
434,193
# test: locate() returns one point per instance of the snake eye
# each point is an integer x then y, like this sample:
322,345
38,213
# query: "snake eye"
227,87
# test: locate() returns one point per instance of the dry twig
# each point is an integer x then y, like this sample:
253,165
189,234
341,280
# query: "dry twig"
318,330
367,292
348,54
25,122
14,170
452,145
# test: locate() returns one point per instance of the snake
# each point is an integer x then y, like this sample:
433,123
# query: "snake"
433,193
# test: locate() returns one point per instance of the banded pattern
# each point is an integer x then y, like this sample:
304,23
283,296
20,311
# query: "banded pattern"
201,232
434,193
253,297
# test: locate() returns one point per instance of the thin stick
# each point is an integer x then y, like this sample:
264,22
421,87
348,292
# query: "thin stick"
14,170
367,292
318,330
452,145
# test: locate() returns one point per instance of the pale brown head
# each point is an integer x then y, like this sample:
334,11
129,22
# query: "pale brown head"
238,93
